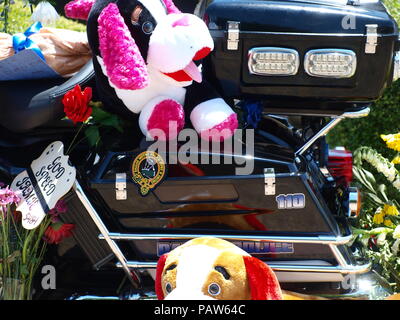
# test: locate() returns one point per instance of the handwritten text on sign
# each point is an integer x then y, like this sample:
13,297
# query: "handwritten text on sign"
43,184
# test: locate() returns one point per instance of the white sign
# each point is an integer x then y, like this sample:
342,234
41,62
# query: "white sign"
48,179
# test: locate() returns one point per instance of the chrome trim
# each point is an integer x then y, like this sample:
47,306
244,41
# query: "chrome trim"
103,229
330,125
103,261
343,52
396,67
348,269
339,257
309,277
323,132
354,197
326,240
93,297
129,266
348,35
356,114
252,52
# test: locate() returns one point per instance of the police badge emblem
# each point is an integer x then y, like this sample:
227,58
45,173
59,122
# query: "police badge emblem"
148,170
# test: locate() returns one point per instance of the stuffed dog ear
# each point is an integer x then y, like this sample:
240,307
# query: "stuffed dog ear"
159,270
171,8
78,9
125,66
262,280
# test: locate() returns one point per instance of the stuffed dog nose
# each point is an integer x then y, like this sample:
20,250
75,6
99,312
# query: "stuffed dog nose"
202,53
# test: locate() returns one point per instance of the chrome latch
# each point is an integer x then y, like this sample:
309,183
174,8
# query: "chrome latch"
269,180
120,186
372,38
233,35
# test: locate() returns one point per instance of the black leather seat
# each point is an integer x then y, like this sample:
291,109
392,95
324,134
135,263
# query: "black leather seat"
25,105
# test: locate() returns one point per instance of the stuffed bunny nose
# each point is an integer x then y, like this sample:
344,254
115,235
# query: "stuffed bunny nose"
183,22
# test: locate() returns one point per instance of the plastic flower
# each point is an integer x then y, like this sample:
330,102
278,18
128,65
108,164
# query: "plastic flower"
381,213
396,160
253,111
390,210
76,104
8,196
379,217
58,231
392,141
388,223
395,247
60,207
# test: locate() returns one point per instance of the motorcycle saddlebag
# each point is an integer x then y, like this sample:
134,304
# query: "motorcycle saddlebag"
304,52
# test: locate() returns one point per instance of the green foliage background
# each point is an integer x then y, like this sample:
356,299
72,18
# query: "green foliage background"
19,19
383,119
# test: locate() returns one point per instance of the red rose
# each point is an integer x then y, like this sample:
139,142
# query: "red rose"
76,104
56,232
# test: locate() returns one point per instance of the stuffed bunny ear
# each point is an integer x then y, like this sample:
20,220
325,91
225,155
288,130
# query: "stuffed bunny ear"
262,280
124,64
78,9
159,270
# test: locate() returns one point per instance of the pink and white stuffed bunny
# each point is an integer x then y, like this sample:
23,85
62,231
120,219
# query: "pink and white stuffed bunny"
145,54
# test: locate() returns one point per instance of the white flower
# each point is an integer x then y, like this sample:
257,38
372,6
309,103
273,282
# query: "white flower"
395,247
396,184
45,13
396,232
381,239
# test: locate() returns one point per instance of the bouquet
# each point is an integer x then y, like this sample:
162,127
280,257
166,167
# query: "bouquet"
378,226
22,250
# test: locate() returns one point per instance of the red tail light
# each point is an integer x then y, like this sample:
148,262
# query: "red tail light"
340,165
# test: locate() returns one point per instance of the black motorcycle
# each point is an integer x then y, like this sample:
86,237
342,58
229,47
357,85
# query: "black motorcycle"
305,71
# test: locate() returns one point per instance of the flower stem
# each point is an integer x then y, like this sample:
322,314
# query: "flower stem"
76,135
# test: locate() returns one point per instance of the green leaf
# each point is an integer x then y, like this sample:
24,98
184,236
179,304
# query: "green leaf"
375,198
99,114
93,135
382,191
24,270
360,175
369,176
114,122
106,119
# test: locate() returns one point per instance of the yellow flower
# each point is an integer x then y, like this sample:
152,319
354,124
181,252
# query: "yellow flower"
388,223
390,210
379,217
392,141
396,160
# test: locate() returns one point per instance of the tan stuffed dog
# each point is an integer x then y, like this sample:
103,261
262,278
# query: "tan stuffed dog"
212,268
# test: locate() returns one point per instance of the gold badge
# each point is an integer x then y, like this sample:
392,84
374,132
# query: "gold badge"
148,170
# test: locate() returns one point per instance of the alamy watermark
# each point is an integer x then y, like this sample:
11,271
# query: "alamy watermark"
349,22
49,277
221,148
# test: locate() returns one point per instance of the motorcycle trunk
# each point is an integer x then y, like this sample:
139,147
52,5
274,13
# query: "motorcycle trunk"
278,212
322,54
